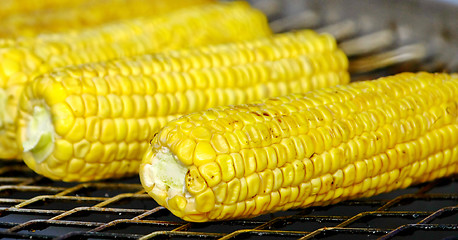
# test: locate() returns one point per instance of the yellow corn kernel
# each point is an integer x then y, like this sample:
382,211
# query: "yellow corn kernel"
195,183
203,153
205,201
235,188
227,167
220,192
66,121
238,165
267,178
220,144
211,172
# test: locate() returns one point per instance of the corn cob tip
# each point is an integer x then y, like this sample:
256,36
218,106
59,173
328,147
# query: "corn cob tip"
165,172
41,135
164,175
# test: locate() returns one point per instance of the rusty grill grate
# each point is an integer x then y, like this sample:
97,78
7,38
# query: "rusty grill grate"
33,207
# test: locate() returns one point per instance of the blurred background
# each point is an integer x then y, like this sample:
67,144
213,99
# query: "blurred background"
380,37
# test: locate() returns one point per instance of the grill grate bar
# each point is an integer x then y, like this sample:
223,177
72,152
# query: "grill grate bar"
429,227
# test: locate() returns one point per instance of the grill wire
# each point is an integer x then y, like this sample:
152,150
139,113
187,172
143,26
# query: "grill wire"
34,207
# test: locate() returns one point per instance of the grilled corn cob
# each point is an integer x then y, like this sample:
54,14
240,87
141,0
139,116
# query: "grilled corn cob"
303,150
87,13
180,29
94,121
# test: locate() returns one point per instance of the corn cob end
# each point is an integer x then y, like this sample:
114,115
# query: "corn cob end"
40,130
163,177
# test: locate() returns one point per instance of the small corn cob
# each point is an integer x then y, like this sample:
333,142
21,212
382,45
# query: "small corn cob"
85,14
184,28
303,150
94,121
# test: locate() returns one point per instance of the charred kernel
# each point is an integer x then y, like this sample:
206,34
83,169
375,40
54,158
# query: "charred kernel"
211,172
194,182
253,181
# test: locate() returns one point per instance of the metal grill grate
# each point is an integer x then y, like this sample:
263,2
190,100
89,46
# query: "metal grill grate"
33,207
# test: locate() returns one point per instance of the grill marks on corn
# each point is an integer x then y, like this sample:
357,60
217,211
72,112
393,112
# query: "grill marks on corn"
110,110
327,145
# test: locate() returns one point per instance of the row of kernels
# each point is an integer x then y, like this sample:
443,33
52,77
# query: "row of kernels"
100,129
78,169
327,61
98,152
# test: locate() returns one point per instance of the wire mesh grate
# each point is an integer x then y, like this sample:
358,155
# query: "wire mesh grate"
103,210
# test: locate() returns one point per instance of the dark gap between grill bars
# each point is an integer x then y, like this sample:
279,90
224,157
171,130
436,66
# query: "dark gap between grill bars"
100,215
346,233
56,203
141,227
19,216
386,220
305,223
134,202
103,190
424,231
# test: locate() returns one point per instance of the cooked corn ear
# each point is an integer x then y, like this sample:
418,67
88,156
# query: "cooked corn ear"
94,121
85,14
180,29
303,150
